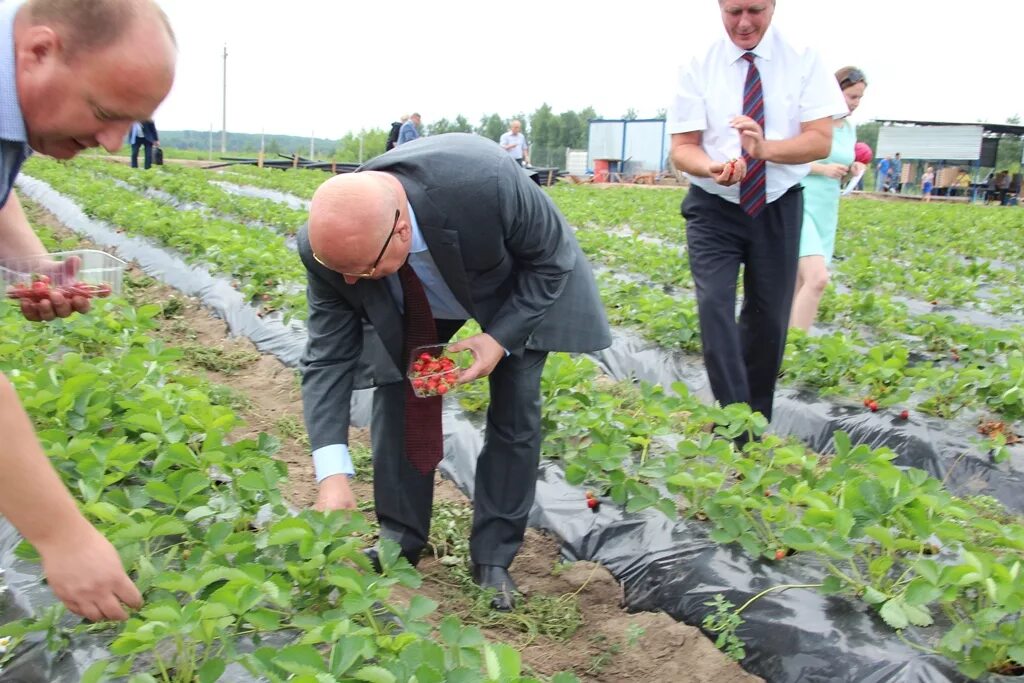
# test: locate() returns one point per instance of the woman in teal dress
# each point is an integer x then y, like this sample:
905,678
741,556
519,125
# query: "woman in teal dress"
821,206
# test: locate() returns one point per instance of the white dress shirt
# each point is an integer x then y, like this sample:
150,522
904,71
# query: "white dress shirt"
335,458
709,93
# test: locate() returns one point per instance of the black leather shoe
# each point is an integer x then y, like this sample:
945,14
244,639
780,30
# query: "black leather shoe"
413,556
493,577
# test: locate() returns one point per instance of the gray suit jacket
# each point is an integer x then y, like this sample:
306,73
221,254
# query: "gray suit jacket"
502,247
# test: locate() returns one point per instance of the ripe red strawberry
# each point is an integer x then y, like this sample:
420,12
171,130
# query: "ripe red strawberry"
905,414
873,406
593,503
867,401
442,389
780,554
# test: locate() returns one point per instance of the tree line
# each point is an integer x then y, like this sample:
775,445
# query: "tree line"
544,129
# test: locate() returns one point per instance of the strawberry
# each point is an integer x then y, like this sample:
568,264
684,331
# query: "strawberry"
873,406
905,414
780,554
593,503
442,389
867,401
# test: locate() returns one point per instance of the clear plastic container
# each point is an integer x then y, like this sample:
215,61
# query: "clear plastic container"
434,370
87,273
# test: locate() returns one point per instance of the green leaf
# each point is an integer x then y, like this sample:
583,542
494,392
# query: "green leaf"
142,678
347,652
374,674
917,615
799,539
508,660
95,673
921,592
300,659
831,585
873,596
263,619
893,613
289,531
420,606
211,671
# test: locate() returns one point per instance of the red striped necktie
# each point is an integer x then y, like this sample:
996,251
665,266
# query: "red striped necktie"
752,188
424,443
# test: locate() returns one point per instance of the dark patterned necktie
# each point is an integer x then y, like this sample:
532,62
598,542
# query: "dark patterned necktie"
424,443
752,187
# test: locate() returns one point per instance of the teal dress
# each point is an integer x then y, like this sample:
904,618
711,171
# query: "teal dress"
821,198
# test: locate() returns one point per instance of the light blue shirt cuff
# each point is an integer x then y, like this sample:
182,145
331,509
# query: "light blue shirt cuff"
331,460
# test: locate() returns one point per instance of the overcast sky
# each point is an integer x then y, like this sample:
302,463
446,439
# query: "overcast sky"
330,67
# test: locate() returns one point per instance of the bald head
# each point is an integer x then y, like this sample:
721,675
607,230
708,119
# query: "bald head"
87,25
350,218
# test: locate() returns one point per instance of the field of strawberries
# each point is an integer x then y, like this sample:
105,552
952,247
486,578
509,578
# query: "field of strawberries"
875,527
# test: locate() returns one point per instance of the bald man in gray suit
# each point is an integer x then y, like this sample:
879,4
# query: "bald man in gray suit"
489,245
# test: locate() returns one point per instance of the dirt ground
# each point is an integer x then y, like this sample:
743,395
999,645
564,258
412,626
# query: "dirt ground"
610,645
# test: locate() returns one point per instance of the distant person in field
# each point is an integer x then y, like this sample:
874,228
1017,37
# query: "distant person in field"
73,74
884,170
928,183
897,173
1002,186
143,134
514,142
409,131
749,114
396,126
822,188
962,184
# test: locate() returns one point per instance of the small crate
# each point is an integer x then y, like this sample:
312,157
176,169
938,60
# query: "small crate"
434,370
88,273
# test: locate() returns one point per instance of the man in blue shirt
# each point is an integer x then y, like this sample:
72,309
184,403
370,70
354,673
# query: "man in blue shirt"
409,130
884,166
73,74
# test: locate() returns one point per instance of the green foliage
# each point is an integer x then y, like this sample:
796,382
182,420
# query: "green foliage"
199,521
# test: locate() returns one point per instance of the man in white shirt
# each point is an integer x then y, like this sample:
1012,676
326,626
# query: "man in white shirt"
749,114
514,142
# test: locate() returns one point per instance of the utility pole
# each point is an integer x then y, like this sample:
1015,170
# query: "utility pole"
209,155
312,152
224,106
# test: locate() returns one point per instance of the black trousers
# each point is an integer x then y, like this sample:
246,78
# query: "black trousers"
743,357
147,153
506,470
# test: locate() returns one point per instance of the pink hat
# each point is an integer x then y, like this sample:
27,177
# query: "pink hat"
862,153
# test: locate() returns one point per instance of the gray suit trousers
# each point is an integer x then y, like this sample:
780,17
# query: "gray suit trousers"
506,472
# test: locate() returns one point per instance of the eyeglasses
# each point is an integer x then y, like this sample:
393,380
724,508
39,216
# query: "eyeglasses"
373,269
853,78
